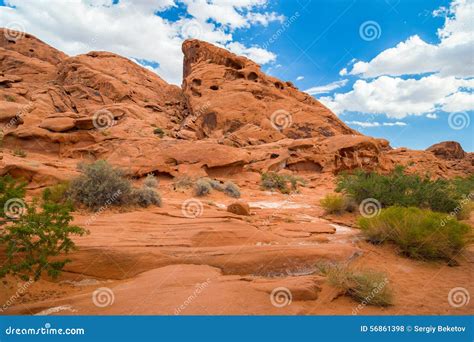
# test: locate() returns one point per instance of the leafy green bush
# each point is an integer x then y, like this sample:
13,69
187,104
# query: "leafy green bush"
35,235
10,188
333,203
232,190
202,187
282,182
417,232
100,185
398,188
366,286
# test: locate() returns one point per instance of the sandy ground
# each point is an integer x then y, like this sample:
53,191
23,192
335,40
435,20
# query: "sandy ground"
159,261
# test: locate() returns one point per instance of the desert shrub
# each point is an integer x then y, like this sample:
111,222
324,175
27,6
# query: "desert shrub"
35,235
419,233
366,286
100,185
465,210
333,203
182,182
145,196
464,186
9,98
18,152
284,183
400,189
231,189
150,181
215,184
159,132
202,187
57,193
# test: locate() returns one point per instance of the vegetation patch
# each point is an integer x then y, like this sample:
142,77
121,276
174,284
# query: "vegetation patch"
282,182
365,286
419,233
33,236
408,190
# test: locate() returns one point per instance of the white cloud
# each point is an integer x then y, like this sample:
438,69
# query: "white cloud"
370,124
258,55
299,78
343,72
399,97
324,89
432,116
453,56
435,76
135,29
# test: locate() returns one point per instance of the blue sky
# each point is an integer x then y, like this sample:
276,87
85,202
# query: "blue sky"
410,83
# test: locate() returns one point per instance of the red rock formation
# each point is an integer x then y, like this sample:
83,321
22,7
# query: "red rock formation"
227,118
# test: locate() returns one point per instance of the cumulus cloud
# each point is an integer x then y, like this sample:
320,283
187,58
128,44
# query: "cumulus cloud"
324,89
370,124
415,77
138,29
299,78
398,97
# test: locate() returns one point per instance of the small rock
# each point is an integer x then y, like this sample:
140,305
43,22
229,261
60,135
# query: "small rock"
239,208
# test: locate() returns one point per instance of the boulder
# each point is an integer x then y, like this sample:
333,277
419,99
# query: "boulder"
58,124
449,150
239,208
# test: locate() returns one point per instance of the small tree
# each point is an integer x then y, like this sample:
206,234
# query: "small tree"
35,234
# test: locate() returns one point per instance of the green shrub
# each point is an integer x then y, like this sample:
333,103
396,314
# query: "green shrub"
232,190
419,233
145,197
398,188
284,183
38,233
100,185
333,203
159,132
202,187
57,193
10,188
366,286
